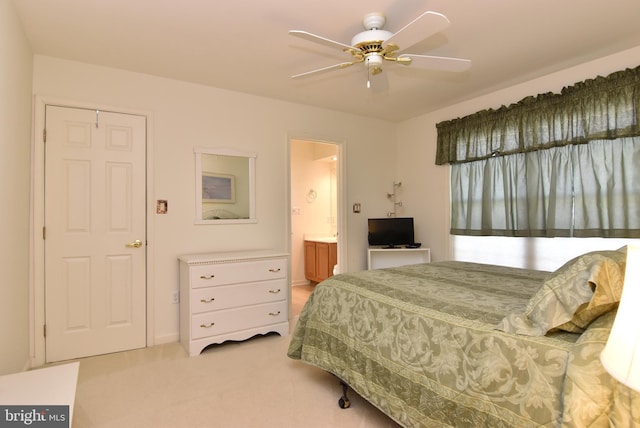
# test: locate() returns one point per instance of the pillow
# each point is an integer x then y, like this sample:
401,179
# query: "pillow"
606,282
571,297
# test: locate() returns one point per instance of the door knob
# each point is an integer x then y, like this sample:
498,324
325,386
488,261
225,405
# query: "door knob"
135,244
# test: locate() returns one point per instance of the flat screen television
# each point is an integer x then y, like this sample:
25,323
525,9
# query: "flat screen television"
391,231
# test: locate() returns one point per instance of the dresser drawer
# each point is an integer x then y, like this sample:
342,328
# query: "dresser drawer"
235,273
228,320
231,296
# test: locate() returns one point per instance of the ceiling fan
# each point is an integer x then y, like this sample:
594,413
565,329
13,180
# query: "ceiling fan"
374,46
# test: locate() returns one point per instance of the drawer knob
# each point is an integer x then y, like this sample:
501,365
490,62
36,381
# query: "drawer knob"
211,324
274,291
207,300
274,270
274,314
207,276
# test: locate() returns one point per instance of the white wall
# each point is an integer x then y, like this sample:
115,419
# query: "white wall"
426,186
15,144
187,115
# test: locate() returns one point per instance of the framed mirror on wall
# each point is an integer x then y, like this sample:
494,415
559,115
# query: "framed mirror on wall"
225,186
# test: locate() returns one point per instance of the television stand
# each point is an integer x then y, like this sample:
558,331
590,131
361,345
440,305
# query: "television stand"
383,257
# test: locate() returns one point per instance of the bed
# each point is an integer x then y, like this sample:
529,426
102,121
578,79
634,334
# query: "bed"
469,345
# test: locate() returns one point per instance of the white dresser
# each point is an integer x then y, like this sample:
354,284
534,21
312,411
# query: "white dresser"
232,296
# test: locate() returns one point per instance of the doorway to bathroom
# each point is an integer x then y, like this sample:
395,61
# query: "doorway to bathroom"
314,178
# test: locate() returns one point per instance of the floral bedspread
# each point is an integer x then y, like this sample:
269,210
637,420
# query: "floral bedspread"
419,343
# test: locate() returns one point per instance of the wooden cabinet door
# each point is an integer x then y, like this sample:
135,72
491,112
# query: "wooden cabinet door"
322,261
333,257
310,260
319,260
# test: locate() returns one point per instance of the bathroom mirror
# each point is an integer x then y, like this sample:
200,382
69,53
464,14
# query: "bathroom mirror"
225,186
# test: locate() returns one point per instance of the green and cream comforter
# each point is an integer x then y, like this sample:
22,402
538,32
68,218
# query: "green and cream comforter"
420,343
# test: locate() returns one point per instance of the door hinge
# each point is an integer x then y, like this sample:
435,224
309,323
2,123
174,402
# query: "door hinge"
44,135
44,330
44,232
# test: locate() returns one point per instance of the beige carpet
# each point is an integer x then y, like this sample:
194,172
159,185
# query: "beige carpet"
236,384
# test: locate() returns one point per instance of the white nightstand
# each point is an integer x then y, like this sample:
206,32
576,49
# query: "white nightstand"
378,257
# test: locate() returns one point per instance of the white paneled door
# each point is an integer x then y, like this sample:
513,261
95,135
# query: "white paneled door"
95,232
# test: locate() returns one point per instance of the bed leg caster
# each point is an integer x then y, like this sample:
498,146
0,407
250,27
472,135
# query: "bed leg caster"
344,402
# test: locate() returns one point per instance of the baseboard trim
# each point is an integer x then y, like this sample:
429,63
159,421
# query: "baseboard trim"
169,338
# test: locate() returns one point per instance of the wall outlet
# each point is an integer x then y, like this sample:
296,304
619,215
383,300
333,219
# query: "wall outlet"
175,297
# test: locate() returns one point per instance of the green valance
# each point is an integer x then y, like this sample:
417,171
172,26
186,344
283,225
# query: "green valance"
600,108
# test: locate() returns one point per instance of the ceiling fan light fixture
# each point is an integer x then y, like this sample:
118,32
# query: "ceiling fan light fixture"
373,61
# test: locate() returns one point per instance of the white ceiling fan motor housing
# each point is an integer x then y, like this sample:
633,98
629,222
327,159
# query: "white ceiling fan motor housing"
370,36
373,22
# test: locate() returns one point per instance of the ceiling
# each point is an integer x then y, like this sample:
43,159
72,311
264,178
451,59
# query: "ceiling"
244,45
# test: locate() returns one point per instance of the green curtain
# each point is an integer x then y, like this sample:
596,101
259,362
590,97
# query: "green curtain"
590,190
600,108
564,165
607,189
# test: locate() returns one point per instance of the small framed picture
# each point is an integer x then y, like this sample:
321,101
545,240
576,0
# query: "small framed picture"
161,206
220,188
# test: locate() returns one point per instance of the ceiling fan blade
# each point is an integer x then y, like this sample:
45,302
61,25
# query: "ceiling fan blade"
324,69
319,39
437,62
424,26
